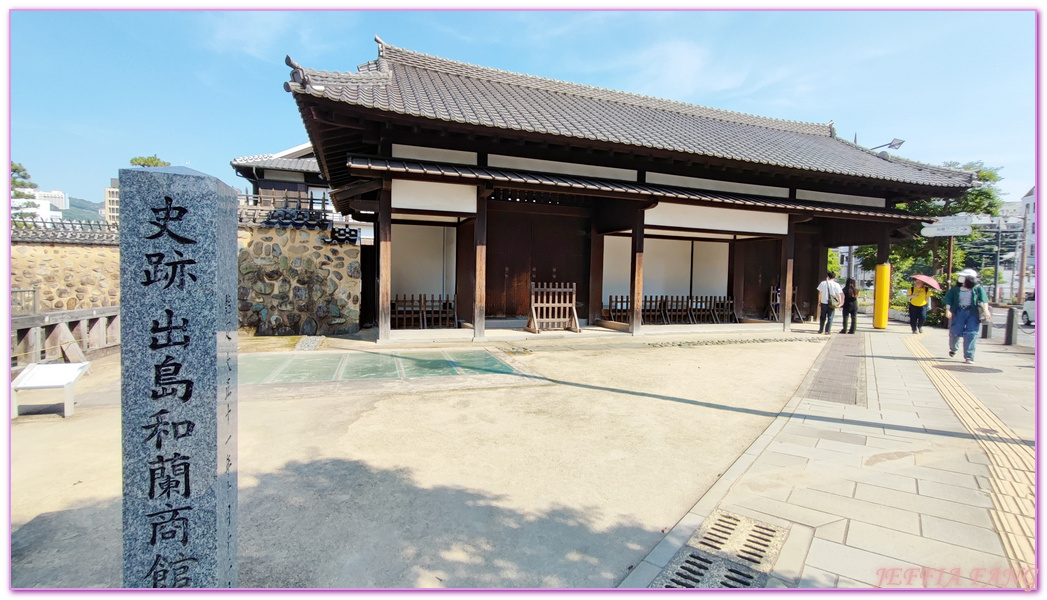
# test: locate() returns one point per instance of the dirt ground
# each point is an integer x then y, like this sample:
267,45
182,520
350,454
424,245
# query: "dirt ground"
567,481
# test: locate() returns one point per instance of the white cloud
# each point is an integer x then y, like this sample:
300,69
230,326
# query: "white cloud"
255,33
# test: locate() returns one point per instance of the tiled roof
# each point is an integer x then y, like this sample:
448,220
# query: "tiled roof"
426,86
268,161
574,184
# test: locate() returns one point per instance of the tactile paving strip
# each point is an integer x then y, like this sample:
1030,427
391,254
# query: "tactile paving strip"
727,551
1013,465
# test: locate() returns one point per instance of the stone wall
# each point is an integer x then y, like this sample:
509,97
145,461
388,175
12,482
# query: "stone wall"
293,282
69,276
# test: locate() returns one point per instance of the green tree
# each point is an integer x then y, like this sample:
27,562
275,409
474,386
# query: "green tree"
983,199
149,161
928,256
21,198
834,263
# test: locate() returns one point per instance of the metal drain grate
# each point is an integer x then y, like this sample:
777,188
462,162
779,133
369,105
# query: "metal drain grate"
738,537
728,551
695,569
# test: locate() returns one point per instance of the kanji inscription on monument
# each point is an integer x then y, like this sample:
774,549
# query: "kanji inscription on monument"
178,359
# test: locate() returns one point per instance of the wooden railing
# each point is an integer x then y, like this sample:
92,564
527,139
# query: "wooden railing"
553,307
674,310
68,335
425,311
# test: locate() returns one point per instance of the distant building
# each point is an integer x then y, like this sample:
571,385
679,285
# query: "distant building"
42,210
112,202
58,200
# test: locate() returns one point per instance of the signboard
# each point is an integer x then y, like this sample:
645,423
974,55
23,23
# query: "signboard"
953,221
944,231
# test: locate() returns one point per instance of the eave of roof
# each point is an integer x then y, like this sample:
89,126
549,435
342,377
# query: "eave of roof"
419,85
270,161
570,184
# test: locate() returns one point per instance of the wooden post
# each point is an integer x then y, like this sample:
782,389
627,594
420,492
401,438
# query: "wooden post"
385,260
596,244
480,266
636,272
788,251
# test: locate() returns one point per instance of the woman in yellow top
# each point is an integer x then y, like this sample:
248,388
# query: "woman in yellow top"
919,296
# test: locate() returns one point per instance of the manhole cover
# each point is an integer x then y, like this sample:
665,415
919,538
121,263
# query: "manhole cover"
728,551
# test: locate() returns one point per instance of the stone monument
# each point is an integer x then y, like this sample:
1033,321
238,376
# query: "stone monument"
178,328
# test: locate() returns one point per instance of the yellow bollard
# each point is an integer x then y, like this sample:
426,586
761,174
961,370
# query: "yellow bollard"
881,296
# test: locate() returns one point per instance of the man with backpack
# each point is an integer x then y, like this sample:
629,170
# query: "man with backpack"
830,297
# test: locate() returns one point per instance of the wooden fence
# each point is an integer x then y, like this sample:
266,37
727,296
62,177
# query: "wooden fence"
674,310
425,311
553,307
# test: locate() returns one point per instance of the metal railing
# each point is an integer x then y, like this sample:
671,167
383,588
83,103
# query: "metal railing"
25,302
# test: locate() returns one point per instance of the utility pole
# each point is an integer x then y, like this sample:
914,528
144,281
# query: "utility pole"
996,268
1025,253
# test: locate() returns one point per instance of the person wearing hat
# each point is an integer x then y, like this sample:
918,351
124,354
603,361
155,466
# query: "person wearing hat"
966,304
919,296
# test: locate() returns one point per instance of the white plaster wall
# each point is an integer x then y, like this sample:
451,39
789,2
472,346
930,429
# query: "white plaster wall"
434,154
616,260
563,168
425,195
423,259
840,198
709,274
716,219
277,175
666,267
716,185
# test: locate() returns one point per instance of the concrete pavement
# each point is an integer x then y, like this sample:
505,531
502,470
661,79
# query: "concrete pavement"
922,478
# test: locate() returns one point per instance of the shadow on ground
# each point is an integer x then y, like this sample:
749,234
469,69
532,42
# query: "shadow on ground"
342,524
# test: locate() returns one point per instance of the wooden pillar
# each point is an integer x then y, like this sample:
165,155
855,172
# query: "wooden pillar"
385,260
883,247
636,274
596,243
788,254
112,331
480,266
96,333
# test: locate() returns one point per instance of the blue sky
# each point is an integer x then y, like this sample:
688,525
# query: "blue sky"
90,90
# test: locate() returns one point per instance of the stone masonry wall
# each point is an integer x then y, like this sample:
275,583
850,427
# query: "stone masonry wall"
69,276
293,283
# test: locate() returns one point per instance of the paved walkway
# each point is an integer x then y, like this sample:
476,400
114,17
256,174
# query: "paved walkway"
929,484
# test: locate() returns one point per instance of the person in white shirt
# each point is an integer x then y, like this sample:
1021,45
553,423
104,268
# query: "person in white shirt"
828,290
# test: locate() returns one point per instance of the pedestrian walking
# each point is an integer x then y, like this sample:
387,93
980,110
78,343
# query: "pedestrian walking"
919,296
966,305
850,304
830,297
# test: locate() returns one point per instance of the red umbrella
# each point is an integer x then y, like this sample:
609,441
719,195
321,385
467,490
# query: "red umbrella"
928,280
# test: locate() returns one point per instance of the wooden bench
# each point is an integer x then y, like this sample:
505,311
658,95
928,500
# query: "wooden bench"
38,376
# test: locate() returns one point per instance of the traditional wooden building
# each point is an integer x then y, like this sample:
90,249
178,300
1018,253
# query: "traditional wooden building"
482,182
